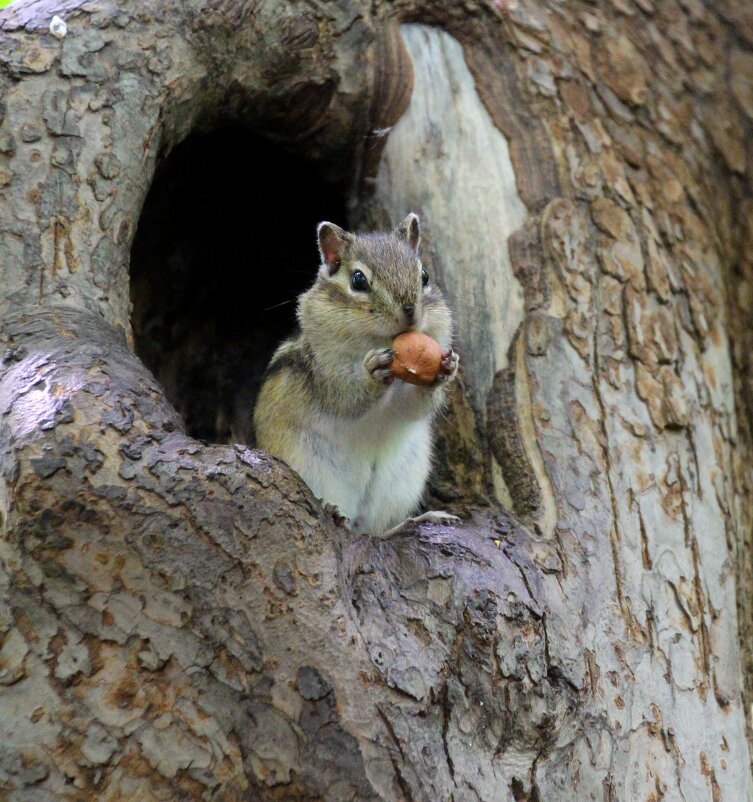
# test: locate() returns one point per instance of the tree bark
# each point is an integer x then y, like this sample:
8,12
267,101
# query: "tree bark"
185,621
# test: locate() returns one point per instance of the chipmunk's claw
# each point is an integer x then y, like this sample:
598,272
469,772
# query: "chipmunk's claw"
377,364
449,366
437,517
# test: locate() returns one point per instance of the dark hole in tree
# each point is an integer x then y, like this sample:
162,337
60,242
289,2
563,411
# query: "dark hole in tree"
225,243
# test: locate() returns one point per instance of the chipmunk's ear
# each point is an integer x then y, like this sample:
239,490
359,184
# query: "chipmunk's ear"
409,231
332,240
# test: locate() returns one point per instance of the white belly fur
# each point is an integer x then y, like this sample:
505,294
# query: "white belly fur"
373,468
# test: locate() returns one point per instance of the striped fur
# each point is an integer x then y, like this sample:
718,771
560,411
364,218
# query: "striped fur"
359,443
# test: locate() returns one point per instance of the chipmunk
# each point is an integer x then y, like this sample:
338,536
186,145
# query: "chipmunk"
330,406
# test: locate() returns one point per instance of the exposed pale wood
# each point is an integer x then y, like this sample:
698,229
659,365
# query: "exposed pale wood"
444,148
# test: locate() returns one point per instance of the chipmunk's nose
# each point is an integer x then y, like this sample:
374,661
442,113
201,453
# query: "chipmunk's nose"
410,313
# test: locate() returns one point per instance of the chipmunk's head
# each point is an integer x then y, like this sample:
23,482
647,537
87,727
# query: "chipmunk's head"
374,285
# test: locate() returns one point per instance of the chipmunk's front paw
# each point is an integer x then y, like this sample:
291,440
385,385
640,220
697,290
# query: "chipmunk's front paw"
377,364
449,368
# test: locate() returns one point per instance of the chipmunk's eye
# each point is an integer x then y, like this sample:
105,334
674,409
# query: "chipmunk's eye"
359,282
424,277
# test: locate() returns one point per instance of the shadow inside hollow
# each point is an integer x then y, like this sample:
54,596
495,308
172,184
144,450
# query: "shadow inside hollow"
225,243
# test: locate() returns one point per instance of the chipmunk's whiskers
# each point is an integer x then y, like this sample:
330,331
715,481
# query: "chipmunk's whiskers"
282,303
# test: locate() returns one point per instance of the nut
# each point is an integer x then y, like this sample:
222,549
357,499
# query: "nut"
418,358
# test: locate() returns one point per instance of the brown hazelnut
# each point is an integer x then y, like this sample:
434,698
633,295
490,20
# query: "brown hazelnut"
418,358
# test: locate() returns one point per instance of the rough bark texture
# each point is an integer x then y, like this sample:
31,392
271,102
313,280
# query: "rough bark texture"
184,621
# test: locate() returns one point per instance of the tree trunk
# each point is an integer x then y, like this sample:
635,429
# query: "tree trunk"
183,620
